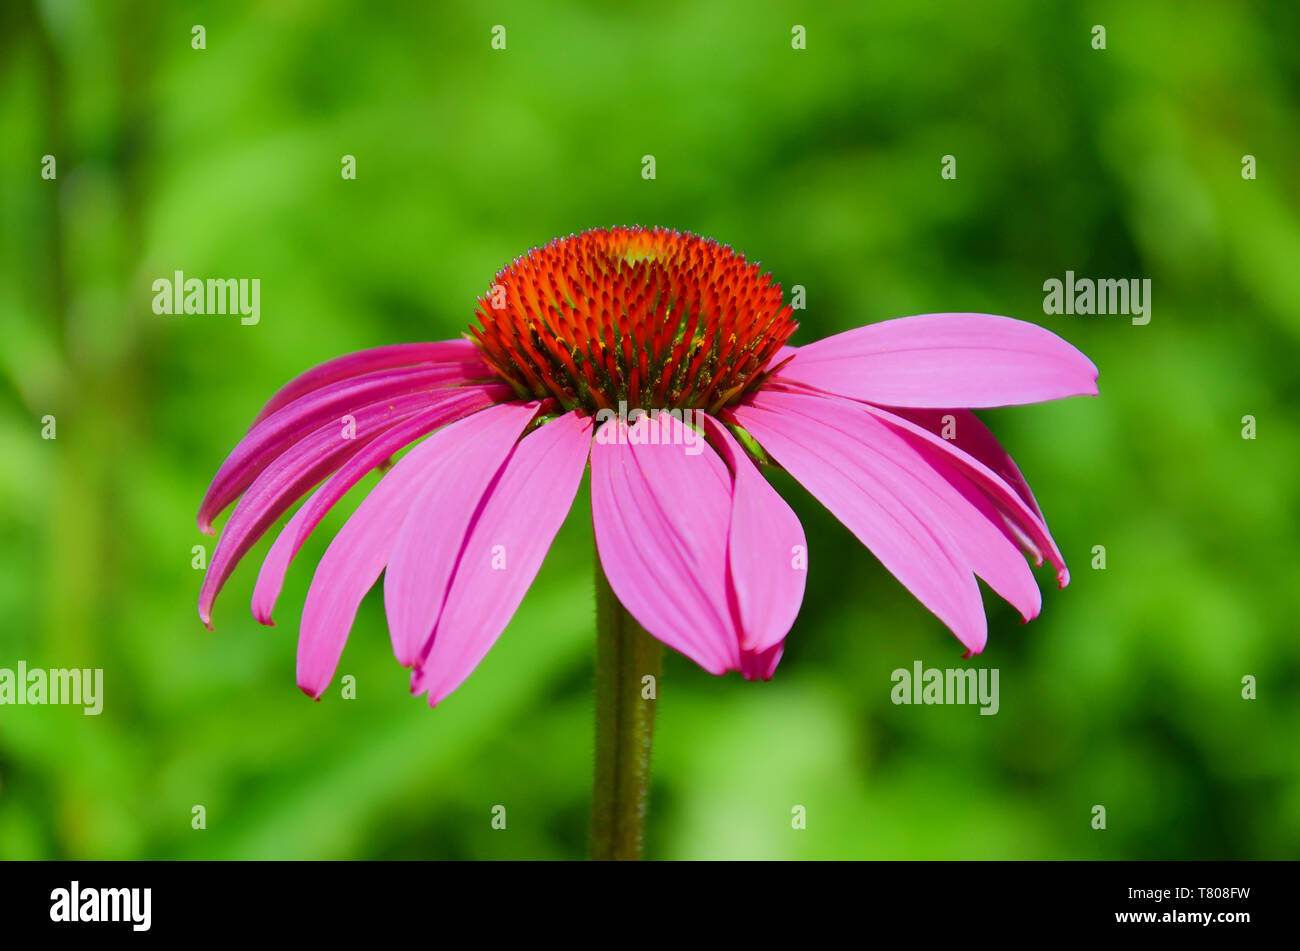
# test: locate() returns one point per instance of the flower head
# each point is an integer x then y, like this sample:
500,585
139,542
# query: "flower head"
699,548
653,318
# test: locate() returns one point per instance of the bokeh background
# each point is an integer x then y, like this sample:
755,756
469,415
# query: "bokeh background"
824,164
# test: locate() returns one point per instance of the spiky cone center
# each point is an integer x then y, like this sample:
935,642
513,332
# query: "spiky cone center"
653,318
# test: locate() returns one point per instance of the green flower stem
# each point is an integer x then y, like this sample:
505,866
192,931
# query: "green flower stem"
625,654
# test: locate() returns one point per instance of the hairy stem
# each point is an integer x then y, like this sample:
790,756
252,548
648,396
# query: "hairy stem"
625,708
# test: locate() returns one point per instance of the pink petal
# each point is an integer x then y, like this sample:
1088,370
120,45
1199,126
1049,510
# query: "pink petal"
660,518
938,360
378,358
288,478
432,536
971,518
872,482
354,559
979,529
267,440
767,553
456,403
1021,519
969,434
523,510
761,665
781,356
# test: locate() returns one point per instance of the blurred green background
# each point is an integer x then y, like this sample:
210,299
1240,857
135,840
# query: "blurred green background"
823,164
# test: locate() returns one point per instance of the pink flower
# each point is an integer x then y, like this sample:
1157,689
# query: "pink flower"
699,548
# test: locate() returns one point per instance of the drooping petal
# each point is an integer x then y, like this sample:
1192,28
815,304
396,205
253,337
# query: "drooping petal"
938,360
767,553
434,532
979,529
869,482
966,431
1021,518
660,517
761,665
520,517
269,439
362,362
455,404
289,477
357,555
971,518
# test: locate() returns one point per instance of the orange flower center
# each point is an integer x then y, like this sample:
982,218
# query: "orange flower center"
657,319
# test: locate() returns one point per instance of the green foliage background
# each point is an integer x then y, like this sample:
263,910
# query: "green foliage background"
823,164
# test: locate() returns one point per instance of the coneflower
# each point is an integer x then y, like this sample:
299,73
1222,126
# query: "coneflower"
660,357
